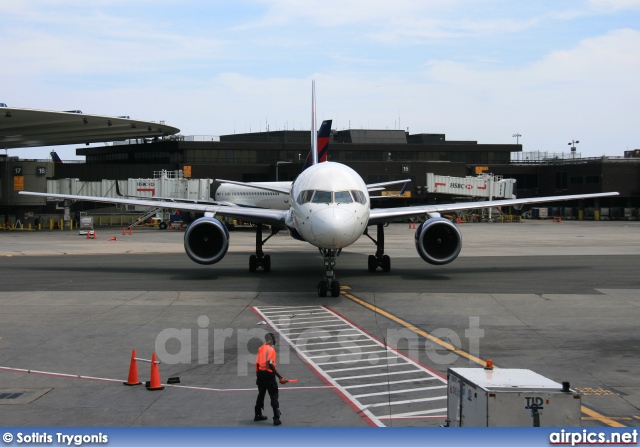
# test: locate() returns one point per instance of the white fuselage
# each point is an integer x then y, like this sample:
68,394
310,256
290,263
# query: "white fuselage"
254,197
330,205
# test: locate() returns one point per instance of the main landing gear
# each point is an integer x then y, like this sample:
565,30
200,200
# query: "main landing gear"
379,259
329,283
260,260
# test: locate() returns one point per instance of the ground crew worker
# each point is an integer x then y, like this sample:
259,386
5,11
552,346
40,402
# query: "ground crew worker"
266,373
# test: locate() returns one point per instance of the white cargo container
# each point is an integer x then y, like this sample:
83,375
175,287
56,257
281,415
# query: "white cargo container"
479,397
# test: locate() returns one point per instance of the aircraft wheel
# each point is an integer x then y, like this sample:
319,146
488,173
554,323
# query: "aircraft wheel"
253,262
335,289
322,288
267,263
163,225
386,263
372,263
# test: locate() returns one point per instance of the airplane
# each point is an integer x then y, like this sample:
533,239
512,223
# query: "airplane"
329,208
56,158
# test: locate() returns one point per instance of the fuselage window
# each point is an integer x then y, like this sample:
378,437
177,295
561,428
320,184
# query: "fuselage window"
322,197
343,197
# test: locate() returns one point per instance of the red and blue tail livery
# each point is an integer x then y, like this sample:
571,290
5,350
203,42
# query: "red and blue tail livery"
324,134
55,158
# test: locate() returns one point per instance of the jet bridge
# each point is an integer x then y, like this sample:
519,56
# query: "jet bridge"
486,186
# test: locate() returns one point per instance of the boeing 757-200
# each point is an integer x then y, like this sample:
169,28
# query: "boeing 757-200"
330,208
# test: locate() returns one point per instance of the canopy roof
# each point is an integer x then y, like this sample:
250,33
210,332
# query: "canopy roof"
31,128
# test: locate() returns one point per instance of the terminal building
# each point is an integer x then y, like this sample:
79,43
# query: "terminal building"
377,155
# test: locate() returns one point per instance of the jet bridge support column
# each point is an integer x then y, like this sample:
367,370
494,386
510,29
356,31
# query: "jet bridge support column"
67,214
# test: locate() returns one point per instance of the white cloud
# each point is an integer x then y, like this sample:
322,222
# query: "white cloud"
472,71
615,5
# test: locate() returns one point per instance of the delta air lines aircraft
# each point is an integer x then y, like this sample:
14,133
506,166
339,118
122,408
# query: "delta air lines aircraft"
329,207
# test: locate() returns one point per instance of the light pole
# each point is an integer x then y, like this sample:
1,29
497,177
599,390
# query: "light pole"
278,163
517,137
573,147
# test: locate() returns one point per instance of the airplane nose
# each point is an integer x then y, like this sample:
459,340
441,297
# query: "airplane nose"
333,227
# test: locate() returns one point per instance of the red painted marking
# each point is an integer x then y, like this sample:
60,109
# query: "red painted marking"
483,187
151,190
440,184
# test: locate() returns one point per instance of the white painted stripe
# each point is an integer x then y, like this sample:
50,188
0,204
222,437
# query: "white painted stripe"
328,342
346,353
393,373
318,316
321,326
394,382
407,390
372,367
342,347
341,362
292,322
291,307
292,313
402,402
413,413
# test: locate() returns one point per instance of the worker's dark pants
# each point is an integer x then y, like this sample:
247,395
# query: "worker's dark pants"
266,381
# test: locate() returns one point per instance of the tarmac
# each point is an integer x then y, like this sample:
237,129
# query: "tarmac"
561,299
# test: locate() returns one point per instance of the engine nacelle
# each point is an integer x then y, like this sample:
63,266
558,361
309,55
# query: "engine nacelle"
438,241
206,240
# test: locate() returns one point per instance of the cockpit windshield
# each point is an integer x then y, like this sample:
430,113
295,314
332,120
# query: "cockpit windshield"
331,197
343,197
322,197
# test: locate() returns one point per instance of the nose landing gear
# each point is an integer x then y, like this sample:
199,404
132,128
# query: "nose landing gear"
329,283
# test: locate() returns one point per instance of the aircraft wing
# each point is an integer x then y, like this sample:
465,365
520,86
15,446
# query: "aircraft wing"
257,215
383,215
380,186
272,188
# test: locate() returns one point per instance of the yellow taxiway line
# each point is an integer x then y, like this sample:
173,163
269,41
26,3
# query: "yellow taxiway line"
589,412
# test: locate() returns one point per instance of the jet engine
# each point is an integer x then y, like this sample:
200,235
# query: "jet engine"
206,241
438,241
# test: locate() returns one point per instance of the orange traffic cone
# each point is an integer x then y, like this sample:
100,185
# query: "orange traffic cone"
88,234
112,239
123,233
130,231
95,236
154,381
133,371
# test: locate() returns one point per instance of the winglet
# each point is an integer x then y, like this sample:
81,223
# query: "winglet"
404,188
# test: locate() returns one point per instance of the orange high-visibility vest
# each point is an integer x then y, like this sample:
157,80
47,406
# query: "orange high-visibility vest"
266,355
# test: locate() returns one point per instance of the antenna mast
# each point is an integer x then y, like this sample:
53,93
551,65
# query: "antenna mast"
314,131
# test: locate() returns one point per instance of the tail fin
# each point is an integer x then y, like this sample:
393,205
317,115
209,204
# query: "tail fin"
55,158
324,135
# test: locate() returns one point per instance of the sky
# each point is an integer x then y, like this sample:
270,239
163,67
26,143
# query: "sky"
551,71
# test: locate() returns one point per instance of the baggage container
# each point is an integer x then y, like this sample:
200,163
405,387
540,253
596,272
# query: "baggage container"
479,397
